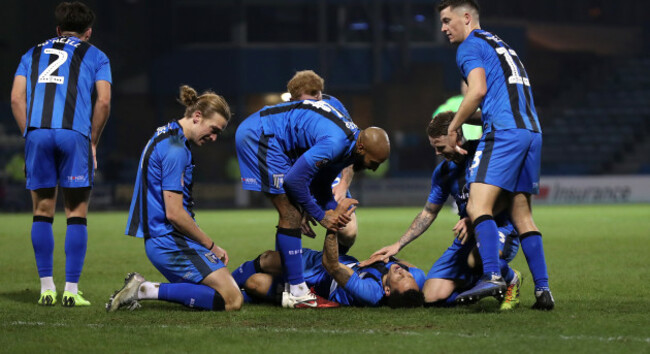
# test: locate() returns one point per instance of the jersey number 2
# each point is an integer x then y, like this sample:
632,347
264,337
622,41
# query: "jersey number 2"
46,76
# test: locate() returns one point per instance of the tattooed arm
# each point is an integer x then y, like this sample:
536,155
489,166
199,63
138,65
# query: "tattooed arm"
419,225
335,269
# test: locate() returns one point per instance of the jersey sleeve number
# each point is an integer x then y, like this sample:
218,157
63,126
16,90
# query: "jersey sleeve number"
515,76
46,76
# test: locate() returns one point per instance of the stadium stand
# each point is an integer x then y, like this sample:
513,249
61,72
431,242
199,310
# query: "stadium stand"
606,130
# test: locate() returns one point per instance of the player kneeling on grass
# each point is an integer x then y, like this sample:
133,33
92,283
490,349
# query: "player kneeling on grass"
453,272
336,277
161,212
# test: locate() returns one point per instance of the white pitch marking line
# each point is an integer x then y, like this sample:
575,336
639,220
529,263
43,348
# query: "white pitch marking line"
340,331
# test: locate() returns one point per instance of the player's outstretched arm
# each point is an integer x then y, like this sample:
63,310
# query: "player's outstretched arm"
419,225
19,101
183,223
334,268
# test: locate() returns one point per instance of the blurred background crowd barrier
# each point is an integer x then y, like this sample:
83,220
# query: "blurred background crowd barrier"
588,62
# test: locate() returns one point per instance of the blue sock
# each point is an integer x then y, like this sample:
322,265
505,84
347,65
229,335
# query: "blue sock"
76,240
531,244
244,271
506,272
487,240
43,243
290,246
192,295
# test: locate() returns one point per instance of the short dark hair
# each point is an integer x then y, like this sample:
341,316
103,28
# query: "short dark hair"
74,17
456,3
408,299
439,125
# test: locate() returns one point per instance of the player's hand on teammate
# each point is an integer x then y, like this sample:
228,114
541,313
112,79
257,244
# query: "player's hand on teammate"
452,137
463,230
220,253
306,225
382,255
336,219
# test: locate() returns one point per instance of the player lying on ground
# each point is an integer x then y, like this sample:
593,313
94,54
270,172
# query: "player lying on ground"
336,277
162,213
452,272
307,85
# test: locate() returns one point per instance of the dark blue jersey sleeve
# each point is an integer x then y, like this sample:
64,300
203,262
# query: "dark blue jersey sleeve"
440,184
366,291
299,177
103,68
23,66
468,56
296,183
174,160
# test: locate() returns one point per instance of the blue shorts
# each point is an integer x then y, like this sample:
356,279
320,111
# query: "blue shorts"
58,155
509,159
453,262
262,162
180,259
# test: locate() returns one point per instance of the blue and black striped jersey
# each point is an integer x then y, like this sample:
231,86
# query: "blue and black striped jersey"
508,103
61,74
165,165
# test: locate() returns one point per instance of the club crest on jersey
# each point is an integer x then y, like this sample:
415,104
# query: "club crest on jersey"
211,257
322,163
278,180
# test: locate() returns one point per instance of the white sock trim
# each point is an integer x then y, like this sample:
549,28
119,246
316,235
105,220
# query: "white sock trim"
72,287
47,283
298,289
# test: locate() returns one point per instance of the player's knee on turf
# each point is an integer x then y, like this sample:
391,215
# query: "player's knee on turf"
222,282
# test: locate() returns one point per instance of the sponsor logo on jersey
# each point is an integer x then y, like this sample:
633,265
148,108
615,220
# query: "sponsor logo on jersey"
76,178
211,257
248,180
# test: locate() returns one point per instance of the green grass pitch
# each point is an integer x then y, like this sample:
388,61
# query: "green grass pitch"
597,258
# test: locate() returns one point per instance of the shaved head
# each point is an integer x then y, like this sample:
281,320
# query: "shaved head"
373,148
376,143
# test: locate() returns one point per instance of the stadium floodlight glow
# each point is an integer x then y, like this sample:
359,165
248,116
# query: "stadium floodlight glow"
286,97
